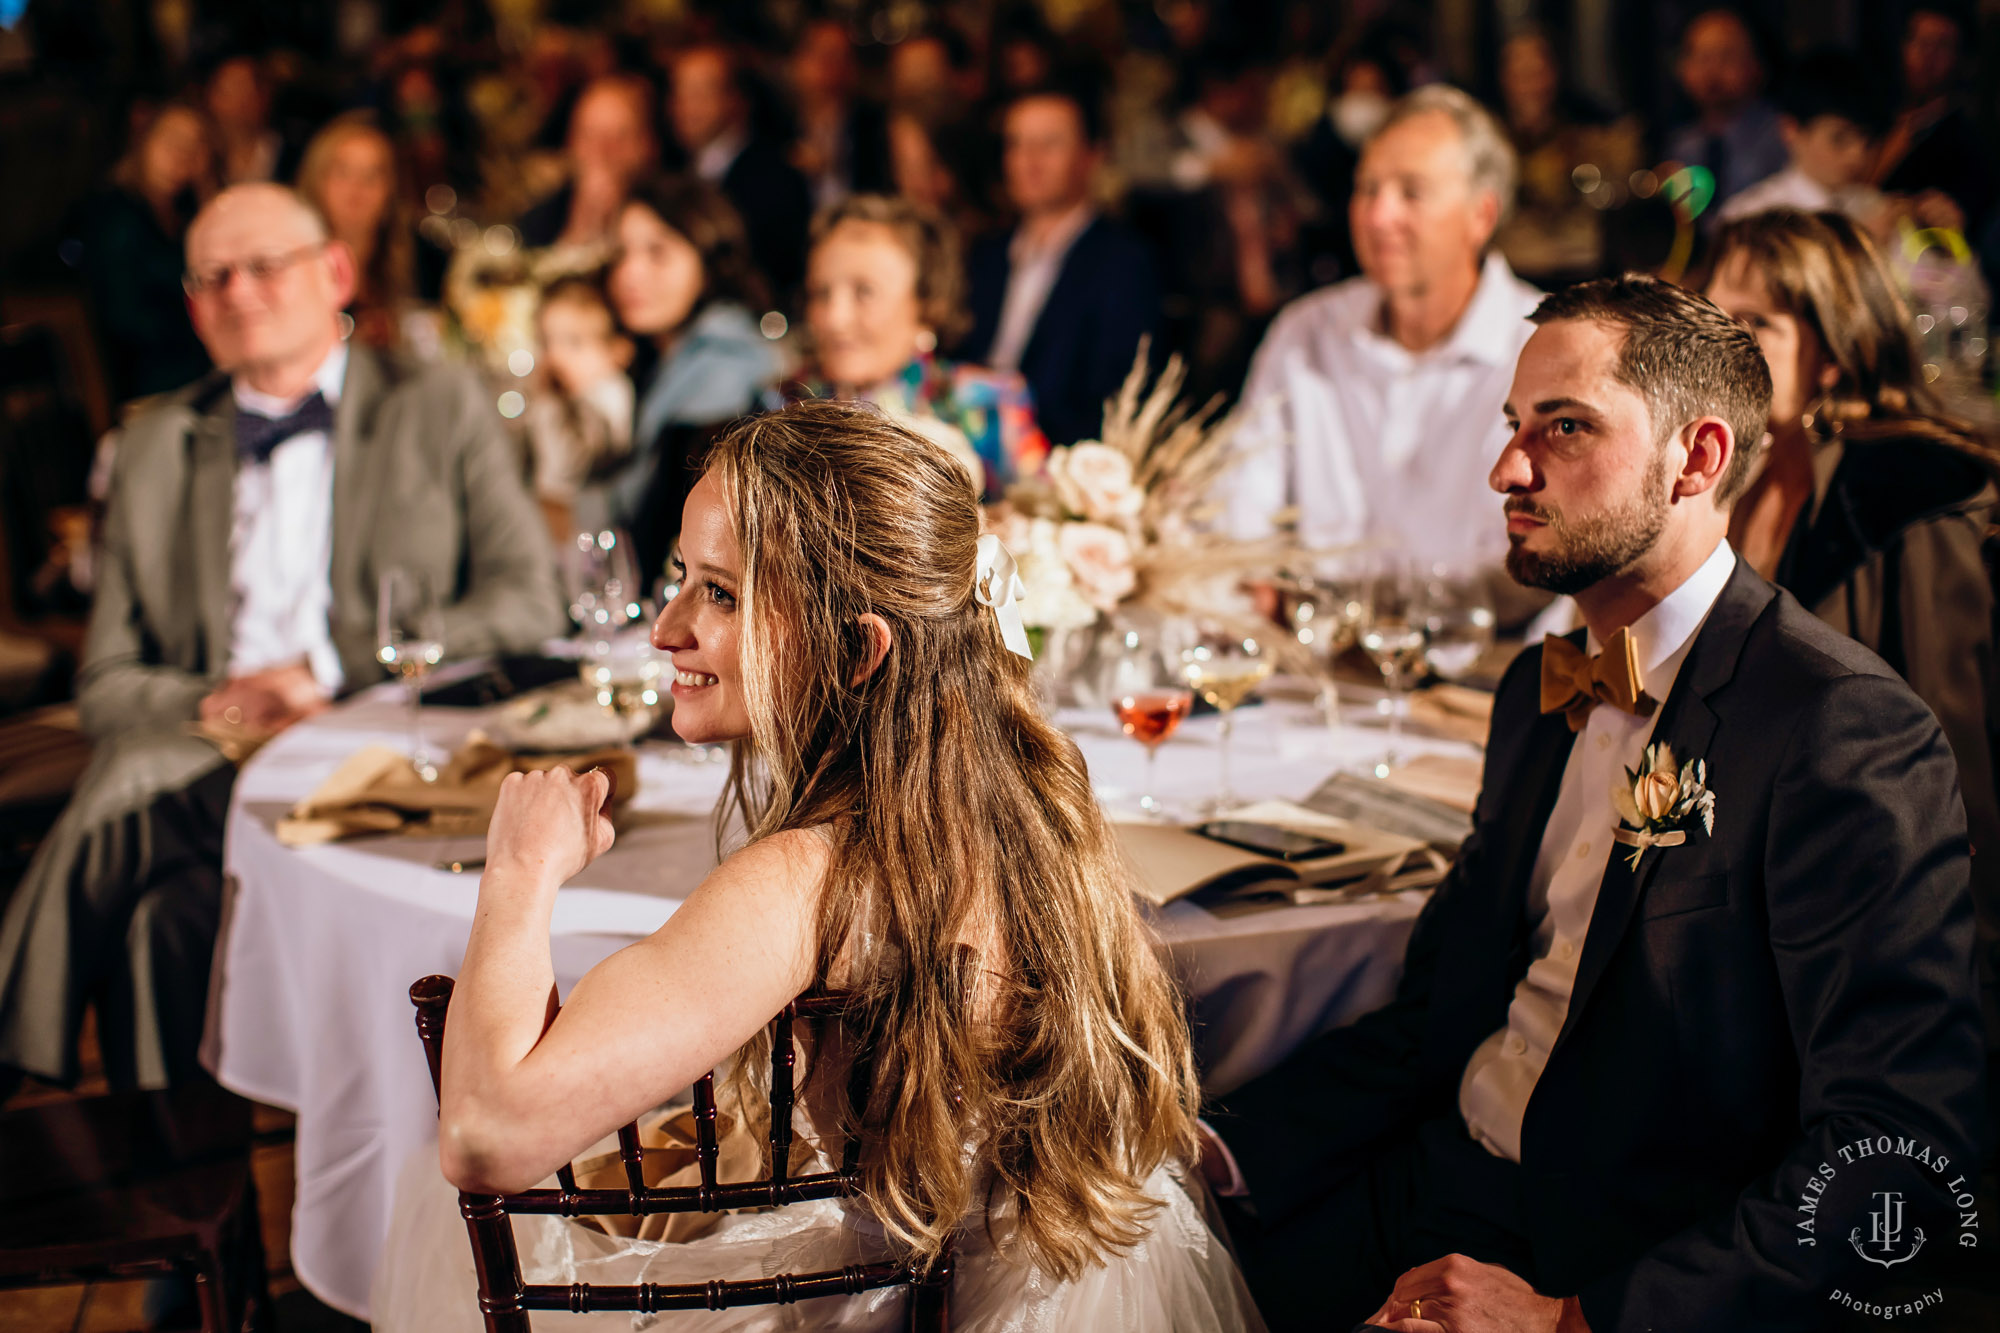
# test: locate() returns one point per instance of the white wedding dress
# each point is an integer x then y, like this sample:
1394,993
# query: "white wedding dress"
1180,1279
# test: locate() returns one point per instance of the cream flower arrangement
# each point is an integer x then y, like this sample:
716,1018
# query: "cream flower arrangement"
1130,518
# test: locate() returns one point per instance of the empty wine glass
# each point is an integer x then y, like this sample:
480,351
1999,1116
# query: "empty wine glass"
409,640
1392,634
1149,697
1328,604
1459,620
603,581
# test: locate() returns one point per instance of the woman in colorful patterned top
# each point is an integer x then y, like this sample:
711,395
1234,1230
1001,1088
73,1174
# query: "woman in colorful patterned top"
884,283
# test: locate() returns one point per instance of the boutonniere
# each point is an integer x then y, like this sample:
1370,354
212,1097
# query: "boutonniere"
1658,802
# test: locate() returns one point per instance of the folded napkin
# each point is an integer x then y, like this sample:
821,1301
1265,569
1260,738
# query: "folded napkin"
376,791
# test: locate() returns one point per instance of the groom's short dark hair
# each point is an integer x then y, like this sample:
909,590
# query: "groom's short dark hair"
1684,355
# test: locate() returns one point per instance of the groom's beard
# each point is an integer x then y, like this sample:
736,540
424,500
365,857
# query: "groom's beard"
1590,549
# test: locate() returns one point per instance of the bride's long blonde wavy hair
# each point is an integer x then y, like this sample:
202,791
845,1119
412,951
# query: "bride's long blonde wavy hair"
958,815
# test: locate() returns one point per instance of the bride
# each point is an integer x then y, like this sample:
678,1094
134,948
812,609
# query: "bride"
906,802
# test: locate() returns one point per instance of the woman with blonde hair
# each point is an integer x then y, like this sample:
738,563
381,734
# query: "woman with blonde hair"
1872,506
349,174
919,835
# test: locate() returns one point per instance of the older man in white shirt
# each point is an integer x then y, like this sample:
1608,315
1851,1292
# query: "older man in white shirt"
1372,410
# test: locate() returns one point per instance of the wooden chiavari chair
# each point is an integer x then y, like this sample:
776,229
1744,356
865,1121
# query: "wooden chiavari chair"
505,1299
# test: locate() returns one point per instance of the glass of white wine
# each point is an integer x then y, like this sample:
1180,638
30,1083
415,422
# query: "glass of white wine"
1224,669
1392,634
409,640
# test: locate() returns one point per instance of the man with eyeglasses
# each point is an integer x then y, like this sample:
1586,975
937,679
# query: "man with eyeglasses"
251,518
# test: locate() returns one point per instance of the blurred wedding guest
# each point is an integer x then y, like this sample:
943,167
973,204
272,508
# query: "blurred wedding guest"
251,517
1735,130
1564,143
1831,121
933,72
708,107
133,259
238,100
579,422
841,144
1934,147
685,287
938,165
610,144
1066,294
348,173
884,284
1872,506
1373,407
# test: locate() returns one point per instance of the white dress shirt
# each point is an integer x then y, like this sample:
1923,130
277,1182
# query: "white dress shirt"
281,542
1371,441
1032,270
1792,188
1576,847
715,159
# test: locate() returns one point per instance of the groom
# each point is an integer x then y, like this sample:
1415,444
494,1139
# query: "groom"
1674,1026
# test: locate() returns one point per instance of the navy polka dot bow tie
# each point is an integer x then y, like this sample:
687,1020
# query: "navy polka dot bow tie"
257,436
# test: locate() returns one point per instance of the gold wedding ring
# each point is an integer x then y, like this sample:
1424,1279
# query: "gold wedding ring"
1417,1308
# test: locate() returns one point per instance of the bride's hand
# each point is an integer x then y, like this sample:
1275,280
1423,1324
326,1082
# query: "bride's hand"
549,824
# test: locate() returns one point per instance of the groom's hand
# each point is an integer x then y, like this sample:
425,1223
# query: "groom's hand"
1460,1295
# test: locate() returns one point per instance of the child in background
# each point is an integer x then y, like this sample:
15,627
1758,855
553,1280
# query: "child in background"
580,424
1831,123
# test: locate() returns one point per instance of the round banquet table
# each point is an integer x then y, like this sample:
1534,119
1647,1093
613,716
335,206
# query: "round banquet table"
309,1005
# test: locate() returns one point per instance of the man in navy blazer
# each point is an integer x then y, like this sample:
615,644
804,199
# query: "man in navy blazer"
1689,1038
1065,296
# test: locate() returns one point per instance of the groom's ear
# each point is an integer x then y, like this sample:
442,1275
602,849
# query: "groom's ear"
875,641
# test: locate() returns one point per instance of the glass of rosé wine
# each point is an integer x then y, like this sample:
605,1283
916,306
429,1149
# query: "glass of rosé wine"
1150,696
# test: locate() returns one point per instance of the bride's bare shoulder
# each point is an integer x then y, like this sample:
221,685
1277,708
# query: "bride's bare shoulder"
787,864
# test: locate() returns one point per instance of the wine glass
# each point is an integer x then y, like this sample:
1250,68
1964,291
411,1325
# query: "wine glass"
409,640
603,578
1224,668
1150,698
1459,620
1329,602
1392,634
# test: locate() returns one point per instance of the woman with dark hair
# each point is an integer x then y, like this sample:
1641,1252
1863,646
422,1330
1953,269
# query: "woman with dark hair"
884,285
683,285
132,235
1872,507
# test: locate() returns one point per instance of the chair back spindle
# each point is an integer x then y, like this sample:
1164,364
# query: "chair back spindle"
505,1299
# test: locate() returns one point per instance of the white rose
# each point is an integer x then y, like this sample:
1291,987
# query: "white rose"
1100,560
1094,480
1051,599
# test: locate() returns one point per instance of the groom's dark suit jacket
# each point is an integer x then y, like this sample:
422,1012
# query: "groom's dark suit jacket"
1744,1003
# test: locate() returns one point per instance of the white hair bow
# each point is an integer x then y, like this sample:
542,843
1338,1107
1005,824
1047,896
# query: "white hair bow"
996,582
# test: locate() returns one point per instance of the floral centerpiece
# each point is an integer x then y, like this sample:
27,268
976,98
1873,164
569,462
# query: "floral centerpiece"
493,287
1126,522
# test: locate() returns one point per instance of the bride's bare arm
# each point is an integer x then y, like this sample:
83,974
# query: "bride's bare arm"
518,1101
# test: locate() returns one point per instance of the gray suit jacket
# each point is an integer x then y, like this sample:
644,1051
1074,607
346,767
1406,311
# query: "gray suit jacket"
422,477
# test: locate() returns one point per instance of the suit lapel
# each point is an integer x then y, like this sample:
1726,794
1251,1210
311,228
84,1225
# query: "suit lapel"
1054,313
353,498
212,515
1687,723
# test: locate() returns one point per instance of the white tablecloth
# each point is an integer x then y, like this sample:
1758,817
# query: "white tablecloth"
320,945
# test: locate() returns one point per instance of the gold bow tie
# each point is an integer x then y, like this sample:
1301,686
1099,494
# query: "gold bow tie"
1574,682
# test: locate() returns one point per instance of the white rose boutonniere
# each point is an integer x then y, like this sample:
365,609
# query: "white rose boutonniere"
1659,801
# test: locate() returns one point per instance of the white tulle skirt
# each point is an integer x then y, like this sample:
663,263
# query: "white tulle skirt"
1180,1279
